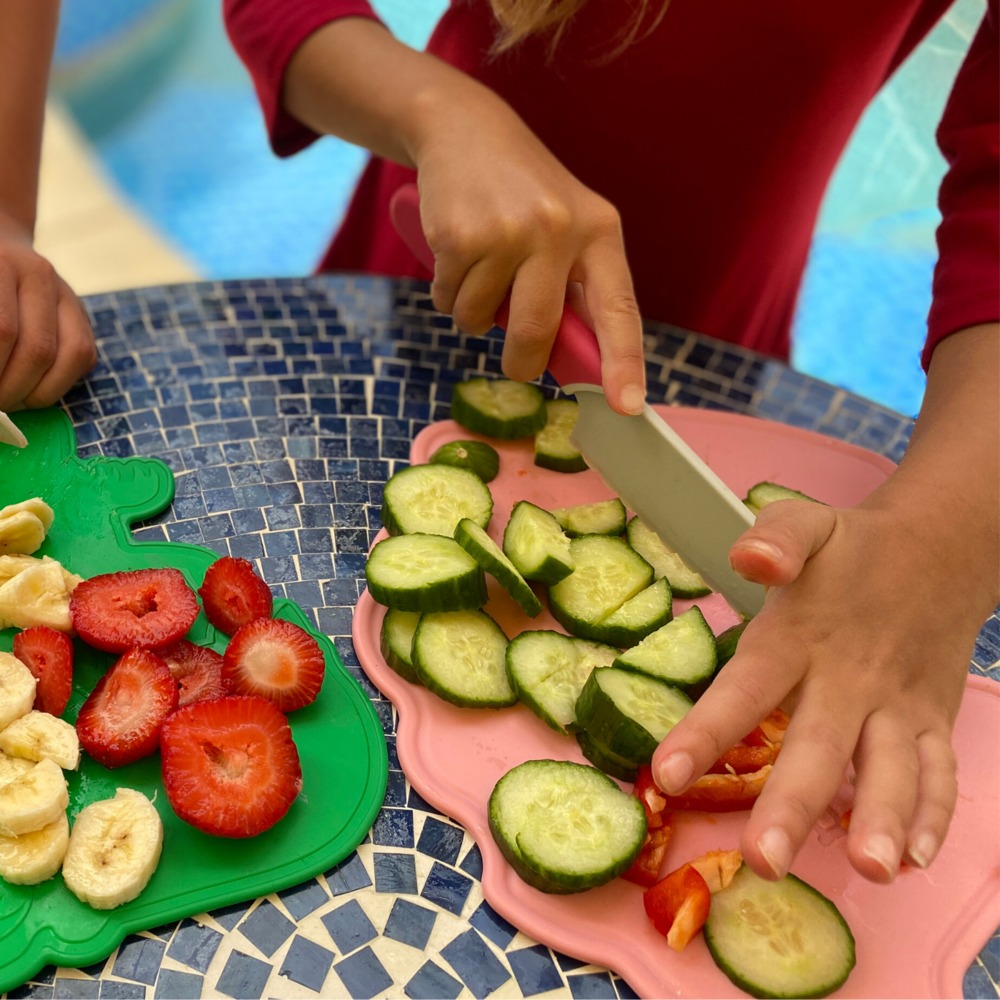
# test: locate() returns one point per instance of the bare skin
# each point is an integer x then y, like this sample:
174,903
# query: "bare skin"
846,637
46,342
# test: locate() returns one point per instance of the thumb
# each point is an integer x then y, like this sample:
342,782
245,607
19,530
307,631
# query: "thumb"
786,535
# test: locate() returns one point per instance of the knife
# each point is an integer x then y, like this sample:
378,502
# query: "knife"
641,458
10,433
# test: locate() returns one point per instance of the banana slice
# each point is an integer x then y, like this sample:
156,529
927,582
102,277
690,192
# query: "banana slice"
113,850
17,688
13,767
39,735
33,505
21,532
33,800
34,857
11,565
38,595
10,433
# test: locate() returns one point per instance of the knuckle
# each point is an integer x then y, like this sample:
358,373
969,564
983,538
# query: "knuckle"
532,331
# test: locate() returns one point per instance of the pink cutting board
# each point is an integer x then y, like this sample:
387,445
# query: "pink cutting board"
915,938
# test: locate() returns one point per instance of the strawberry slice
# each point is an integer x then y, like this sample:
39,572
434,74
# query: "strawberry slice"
197,670
275,659
233,594
121,719
48,654
143,607
230,766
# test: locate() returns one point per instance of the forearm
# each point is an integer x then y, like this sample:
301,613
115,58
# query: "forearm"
950,475
27,37
354,80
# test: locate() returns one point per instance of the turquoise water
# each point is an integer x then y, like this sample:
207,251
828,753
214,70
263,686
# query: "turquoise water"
174,119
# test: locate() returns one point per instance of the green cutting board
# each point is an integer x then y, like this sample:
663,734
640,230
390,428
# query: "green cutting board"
339,737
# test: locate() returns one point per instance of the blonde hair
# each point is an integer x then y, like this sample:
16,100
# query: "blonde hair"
520,19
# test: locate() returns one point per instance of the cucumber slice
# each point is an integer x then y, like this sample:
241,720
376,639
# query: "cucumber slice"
554,448
548,670
461,657
424,573
608,761
682,652
629,713
684,581
762,494
649,610
536,545
605,517
608,573
779,939
432,499
487,553
396,642
565,827
476,456
726,643
498,408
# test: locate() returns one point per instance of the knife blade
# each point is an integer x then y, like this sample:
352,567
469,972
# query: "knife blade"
641,458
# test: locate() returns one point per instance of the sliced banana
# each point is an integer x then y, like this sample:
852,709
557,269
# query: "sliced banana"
34,857
38,595
21,532
11,565
39,735
13,767
10,433
33,799
17,688
113,850
33,505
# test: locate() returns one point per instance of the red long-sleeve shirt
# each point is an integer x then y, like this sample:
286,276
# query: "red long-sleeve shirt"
715,136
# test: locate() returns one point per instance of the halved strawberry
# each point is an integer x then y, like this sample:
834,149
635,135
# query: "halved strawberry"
230,766
197,670
233,594
143,607
275,659
48,654
121,719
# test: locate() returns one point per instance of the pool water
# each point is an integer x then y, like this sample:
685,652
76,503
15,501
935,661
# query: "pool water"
172,115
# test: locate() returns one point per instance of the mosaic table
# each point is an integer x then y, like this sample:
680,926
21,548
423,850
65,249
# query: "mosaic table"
282,406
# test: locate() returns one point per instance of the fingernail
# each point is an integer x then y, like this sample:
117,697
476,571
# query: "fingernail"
674,773
632,399
776,850
761,547
880,848
923,849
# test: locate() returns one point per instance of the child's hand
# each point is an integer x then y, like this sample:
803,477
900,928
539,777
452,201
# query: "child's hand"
855,640
501,215
46,343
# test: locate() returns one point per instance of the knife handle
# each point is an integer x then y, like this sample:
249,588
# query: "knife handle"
575,357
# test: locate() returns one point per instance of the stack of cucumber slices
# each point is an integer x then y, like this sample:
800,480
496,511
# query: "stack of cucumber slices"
621,673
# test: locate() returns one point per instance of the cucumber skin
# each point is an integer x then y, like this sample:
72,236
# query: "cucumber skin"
552,569
402,666
401,523
715,949
468,415
624,636
537,879
726,643
606,760
480,458
494,561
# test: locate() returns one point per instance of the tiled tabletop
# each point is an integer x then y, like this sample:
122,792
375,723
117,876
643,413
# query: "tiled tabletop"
282,406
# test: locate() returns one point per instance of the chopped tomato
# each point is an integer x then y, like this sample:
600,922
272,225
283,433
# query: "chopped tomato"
727,792
678,905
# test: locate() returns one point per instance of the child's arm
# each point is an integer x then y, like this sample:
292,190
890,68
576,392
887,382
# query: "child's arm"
46,342
499,211
868,633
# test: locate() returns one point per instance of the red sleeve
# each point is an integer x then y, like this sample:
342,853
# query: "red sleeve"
265,34
967,277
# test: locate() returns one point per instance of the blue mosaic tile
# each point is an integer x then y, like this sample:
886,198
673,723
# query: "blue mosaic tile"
475,964
363,975
491,925
139,959
76,989
447,887
112,990
349,927
395,873
244,977
410,924
194,945
431,982
393,828
306,963
534,970
267,927
591,986
349,876
440,840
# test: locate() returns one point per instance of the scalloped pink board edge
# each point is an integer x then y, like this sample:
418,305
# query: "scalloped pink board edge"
915,938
